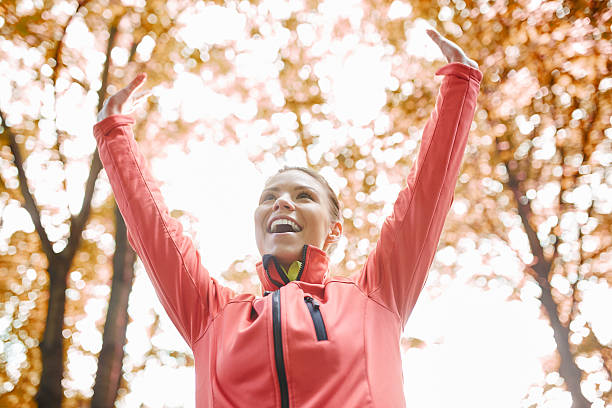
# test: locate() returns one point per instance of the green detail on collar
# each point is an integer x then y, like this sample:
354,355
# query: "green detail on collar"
294,269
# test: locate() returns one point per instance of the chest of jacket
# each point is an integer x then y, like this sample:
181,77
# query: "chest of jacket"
297,346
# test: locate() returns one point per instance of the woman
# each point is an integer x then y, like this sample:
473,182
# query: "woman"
312,340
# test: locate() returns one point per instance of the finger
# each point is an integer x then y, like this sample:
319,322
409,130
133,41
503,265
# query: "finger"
144,94
435,36
441,42
121,97
135,84
138,81
445,45
142,98
127,111
450,50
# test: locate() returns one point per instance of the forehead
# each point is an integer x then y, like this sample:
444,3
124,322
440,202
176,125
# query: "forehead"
291,179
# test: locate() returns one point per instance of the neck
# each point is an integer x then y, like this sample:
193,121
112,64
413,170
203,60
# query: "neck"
290,259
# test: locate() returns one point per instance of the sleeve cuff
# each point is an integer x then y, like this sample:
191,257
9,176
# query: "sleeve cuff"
106,125
461,70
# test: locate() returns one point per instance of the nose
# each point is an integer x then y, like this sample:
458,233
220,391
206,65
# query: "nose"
283,201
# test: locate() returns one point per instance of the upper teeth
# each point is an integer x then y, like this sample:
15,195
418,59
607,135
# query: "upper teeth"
282,221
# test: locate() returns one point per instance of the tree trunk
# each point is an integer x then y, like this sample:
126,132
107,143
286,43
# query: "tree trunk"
49,393
110,361
568,369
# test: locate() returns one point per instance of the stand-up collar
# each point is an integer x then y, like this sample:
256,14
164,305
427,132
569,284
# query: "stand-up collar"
314,267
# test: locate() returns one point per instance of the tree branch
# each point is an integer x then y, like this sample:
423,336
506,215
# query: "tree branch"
58,64
30,203
60,45
524,212
78,223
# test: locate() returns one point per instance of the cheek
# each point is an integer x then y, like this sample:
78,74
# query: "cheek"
320,221
258,220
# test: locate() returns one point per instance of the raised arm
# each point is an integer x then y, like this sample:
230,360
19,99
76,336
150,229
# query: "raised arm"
396,269
188,294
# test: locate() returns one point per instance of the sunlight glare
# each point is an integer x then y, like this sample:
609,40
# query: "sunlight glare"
208,25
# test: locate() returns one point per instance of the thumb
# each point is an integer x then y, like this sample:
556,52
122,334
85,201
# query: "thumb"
116,103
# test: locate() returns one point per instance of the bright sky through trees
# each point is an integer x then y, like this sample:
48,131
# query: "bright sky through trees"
479,344
220,187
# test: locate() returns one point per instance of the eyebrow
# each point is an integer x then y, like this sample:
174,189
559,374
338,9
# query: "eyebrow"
275,189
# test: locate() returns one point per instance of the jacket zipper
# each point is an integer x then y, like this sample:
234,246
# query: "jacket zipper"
317,317
278,349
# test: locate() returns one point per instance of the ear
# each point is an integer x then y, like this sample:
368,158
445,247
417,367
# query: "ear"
335,232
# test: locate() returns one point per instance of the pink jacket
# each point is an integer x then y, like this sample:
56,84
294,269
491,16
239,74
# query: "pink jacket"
319,341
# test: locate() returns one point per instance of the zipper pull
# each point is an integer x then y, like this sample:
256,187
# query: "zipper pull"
312,301
317,317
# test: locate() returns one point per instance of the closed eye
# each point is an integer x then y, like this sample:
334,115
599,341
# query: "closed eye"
305,195
267,197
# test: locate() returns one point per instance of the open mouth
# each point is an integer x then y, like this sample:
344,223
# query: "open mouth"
282,225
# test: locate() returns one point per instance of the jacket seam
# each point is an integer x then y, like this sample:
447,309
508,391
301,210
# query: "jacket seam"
212,319
365,354
387,308
368,296
395,232
121,121
131,151
211,369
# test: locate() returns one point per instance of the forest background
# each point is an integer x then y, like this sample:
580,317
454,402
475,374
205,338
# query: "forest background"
516,310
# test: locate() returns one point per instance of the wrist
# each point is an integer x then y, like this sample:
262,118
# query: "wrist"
106,112
467,61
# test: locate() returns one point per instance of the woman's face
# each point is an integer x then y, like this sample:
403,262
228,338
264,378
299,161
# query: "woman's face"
293,212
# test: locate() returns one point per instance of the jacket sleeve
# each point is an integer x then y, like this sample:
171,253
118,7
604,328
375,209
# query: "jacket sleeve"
396,270
187,292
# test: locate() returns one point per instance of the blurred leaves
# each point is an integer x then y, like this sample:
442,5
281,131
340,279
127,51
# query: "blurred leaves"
535,185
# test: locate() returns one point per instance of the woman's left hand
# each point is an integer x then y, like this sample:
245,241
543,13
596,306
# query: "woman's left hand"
125,101
451,51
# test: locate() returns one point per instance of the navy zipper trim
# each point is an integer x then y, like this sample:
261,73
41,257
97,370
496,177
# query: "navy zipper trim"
317,317
279,270
304,251
278,349
266,261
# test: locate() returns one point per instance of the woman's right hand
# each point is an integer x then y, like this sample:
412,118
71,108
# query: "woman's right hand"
124,102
